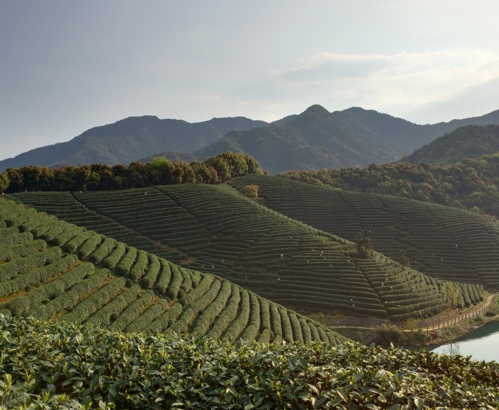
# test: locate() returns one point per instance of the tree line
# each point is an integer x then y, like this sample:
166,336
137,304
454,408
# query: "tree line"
470,184
99,177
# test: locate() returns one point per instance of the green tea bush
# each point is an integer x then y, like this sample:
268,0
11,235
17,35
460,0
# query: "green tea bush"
102,318
71,298
195,294
89,246
94,302
51,290
249,334
164,278
76,242
166,319
193,309
146,318
132,312
38,276
113,259
206,318
18,251
127,262
150,277
238,325
16,239
225,318
139,267
103,251
24,265
176,282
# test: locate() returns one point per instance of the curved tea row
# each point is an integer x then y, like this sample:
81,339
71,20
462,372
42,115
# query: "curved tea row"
54,270
281,259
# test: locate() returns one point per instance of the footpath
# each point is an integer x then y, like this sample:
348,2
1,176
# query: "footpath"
437,322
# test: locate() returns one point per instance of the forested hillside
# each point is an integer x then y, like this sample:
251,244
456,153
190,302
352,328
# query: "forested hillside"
130,139
470,184
443,242
317,139
54,270
466,142
214,229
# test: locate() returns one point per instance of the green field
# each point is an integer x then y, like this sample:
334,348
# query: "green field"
216,230
54,270
442,242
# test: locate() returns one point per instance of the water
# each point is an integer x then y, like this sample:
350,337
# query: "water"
480,344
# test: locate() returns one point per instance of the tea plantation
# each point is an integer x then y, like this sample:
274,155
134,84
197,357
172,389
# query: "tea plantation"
54,270
443,242
47,365
219,231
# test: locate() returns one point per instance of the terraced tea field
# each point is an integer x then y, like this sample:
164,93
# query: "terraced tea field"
54,270
442,242
220,232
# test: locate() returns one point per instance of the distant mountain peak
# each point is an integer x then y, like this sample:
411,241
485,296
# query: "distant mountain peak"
316,109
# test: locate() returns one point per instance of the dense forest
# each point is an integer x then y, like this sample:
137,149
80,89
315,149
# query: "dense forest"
98,177
471,141
470,184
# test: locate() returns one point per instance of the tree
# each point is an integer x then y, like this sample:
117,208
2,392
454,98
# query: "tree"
4,181
363,245
251,191
403,259
452,291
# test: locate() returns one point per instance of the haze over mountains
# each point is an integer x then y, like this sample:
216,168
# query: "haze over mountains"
314,139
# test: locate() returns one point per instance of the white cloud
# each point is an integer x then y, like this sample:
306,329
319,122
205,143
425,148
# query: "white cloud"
398,83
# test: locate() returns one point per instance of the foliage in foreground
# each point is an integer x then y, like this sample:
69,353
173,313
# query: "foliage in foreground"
470,184
58,366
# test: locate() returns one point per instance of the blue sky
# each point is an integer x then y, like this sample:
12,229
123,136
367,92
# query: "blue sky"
67,66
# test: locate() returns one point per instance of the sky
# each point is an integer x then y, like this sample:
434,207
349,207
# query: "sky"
67,66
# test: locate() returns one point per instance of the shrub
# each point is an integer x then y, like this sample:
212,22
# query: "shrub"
251,191
148,316
133,311
71,298
37,276
238,325
127,262
227,315
164,278
112,260
94,302
152,273
139,267
103,251
24,265
211,313
51,290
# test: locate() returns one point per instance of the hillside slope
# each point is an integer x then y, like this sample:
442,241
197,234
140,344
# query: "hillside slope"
471,184
404,136
216,230
129,139
442,242
471,141
317,139
50,269
314,139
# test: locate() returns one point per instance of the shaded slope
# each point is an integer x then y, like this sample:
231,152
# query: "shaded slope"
442,242
404,136
129,139
51,269
466,142
312,140
281,259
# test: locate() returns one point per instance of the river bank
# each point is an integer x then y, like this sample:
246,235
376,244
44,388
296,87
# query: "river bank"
386,335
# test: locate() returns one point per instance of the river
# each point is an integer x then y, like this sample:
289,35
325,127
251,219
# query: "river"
480,344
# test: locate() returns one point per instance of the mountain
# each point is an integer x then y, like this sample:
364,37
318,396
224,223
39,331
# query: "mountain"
471,141
129,139
314,139
318,139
